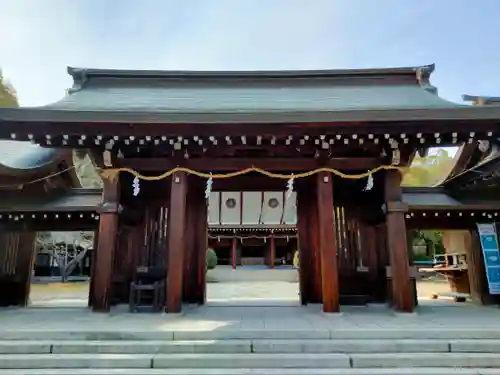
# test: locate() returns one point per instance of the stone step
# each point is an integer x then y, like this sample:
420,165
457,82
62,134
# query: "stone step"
249,346
450,360
450,333
250,360
231,360
260,371
352,346
126,347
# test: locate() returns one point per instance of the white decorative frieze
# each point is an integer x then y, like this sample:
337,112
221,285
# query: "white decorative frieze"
252,208
230,208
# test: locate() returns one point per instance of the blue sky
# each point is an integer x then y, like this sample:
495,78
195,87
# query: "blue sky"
41,37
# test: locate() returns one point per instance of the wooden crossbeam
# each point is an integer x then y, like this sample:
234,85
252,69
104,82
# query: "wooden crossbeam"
234,164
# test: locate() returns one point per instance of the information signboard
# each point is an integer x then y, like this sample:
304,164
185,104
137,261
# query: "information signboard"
489,245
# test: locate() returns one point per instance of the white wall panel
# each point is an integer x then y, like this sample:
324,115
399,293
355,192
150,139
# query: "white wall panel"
272,215
251,207
230,215
213,208
291,209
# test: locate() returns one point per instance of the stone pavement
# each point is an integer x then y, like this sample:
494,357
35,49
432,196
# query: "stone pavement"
243,292
209,318
260,329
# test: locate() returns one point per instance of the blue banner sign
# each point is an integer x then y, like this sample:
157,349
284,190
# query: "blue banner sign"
491,254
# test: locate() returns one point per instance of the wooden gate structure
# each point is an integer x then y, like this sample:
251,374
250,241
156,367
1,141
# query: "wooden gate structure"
337,137
39,192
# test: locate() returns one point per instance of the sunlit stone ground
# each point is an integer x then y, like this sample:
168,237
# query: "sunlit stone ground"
245,291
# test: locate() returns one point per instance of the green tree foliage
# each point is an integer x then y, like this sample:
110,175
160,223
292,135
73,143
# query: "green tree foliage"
430,170
8,96
433,240
85,170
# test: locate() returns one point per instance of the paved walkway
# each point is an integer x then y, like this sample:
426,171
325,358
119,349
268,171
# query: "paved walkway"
209,318
269,293
247,305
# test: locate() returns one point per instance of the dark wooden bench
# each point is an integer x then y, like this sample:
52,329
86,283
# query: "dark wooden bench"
147,291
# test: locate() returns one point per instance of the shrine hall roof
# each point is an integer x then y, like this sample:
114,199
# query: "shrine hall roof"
76,200
22,156
130,96
437,198
481,100
223,92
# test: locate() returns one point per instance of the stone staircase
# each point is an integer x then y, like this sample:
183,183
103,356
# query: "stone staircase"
263,352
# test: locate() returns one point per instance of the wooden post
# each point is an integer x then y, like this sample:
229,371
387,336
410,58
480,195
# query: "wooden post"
476,271
234,245
105,252
196,245
314,243
272,251
327,243
191,243
402,288
303,202
410,237
201,233
24,265
176,242
92,268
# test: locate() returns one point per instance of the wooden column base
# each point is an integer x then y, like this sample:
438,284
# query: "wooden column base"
234,245
327,244
272,251
104,262
176,243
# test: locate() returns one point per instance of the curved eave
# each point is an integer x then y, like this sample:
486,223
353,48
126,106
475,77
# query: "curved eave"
438,199
21,158
26,161
41,117
467,157
485,165
462,160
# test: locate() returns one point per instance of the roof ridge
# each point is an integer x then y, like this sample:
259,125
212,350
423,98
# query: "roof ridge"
82,74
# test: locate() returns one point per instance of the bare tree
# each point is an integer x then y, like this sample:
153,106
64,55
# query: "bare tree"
67,249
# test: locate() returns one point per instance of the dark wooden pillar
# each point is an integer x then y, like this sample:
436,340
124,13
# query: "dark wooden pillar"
107,240
196,243
201,233
17,258
476,269
314,243
305,277
190,246
176,243
234,246
327,243
308,241
402,287
25,262
272,251
92,268
410,237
